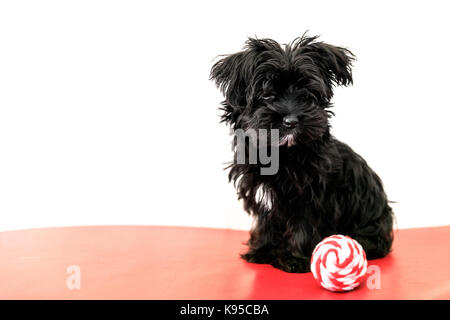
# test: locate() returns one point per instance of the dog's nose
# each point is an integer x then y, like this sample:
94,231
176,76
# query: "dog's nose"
290,121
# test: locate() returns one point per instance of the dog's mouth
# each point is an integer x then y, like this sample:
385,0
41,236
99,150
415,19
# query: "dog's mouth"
288,140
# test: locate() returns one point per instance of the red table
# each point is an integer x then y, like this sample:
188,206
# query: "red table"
143,262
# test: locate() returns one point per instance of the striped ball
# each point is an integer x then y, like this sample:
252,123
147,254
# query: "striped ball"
339,263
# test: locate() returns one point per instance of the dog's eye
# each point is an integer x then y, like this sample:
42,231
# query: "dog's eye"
268,97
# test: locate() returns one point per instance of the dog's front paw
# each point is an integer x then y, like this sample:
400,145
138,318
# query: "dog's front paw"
258,256
293,265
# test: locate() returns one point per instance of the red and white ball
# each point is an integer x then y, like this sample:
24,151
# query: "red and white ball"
339,263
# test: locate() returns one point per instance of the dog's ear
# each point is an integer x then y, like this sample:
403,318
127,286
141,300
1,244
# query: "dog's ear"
228,74
234,74
335,62
231,74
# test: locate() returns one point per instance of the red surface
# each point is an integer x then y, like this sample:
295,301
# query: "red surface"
197,263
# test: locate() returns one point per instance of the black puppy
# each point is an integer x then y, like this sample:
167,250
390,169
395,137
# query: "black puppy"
322,187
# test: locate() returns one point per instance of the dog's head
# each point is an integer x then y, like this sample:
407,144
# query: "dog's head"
289,87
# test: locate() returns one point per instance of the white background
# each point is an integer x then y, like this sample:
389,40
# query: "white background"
107,115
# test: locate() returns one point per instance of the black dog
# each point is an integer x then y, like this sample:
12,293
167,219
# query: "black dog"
322,186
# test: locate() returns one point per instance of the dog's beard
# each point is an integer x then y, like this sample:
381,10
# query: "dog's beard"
288,139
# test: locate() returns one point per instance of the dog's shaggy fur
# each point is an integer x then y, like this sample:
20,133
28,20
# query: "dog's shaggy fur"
322,186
